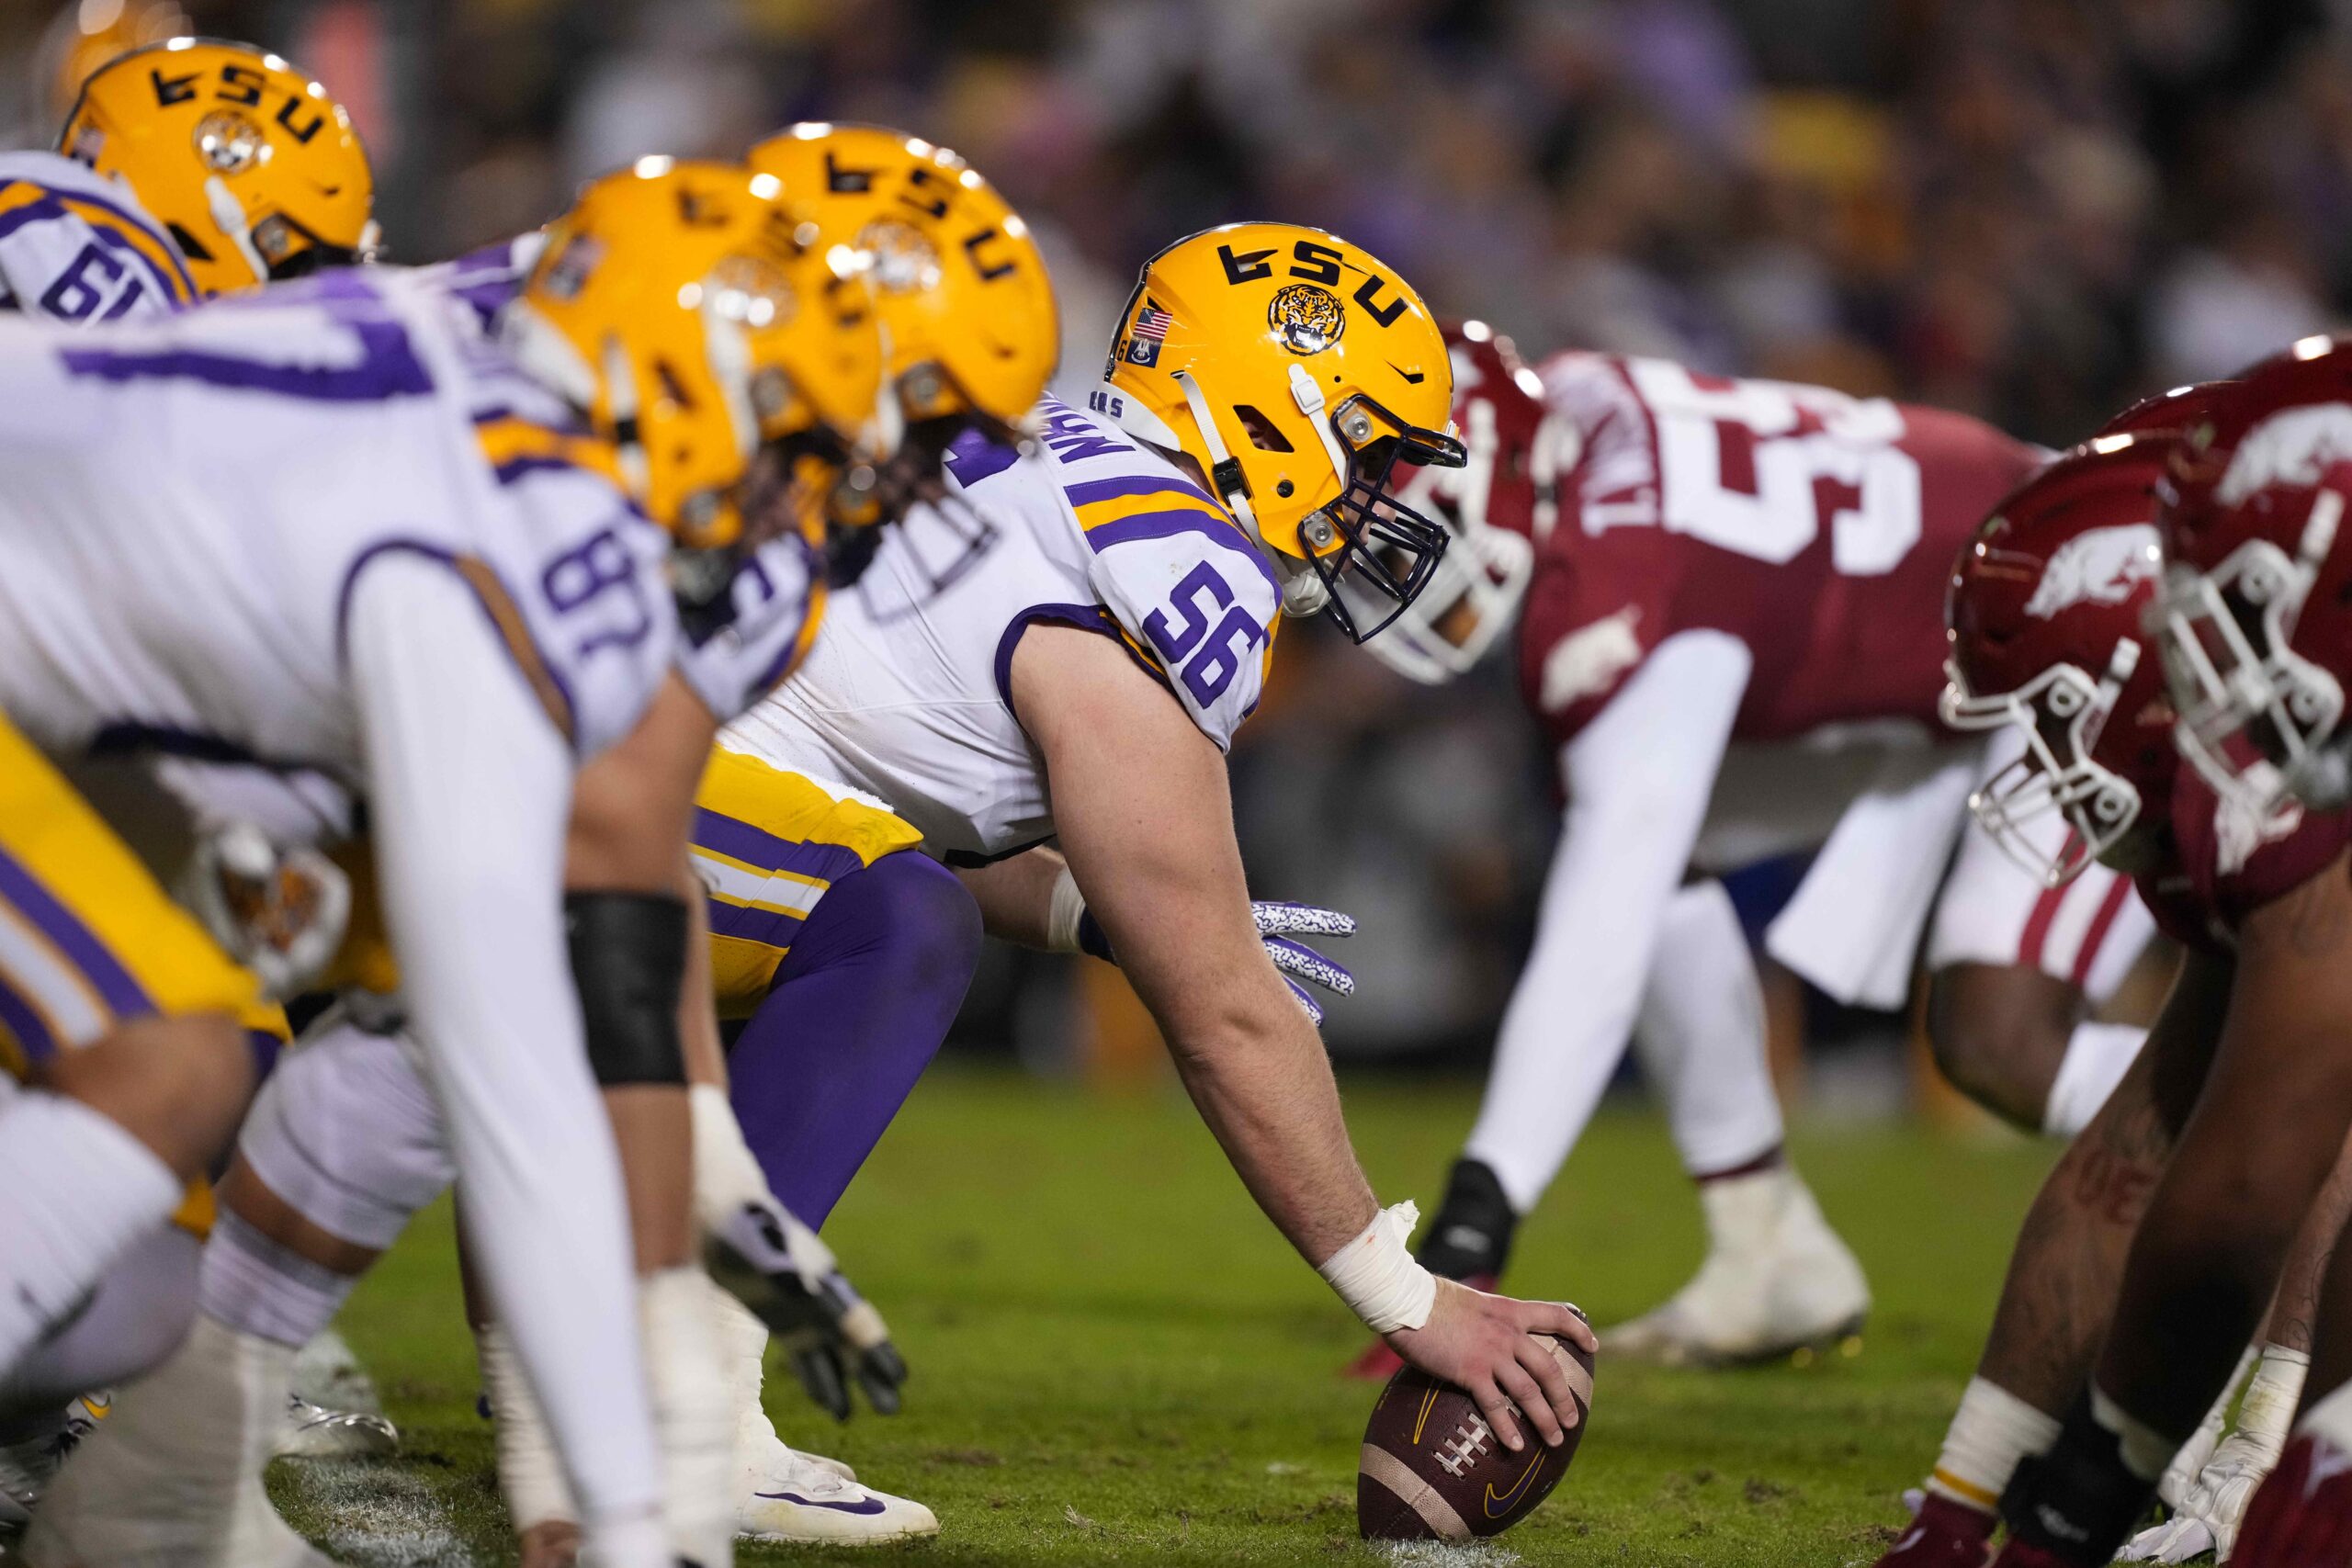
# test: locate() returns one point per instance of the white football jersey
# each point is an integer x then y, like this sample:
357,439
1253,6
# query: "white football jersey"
906,694
190,503
777,600
75,246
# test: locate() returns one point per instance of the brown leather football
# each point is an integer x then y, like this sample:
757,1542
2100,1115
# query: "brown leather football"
1431,1468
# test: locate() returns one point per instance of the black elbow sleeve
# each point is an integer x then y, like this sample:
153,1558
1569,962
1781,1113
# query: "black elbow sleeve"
629,953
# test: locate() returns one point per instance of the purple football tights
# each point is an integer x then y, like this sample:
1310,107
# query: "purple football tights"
855,1012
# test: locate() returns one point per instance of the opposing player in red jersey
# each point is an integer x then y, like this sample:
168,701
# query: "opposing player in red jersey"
2045,614
2254,633
2248,1074
1736,592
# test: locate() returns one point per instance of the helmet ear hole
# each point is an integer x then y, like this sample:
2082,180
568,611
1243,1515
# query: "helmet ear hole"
672,388
1263,433
189,245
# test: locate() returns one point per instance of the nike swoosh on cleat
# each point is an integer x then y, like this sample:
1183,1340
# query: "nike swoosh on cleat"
871,1506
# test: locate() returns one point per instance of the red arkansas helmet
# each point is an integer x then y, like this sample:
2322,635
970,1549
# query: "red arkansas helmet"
2172,413
1506,496
2254,628
2043,614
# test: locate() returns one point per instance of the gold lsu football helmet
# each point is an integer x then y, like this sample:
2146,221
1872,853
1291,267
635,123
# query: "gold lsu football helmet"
684,308
1299,372
958,279
251,166
968,320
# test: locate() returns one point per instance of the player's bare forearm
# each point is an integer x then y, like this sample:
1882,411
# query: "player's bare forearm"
2294,1314
2068,1263
632,806
697,998
1016,896
1140,799
2267,1132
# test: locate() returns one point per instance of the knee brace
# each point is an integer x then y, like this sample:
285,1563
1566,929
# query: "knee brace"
349,1133
629,953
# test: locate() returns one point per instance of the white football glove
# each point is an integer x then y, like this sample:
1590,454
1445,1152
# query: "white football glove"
783,1272
2208,1510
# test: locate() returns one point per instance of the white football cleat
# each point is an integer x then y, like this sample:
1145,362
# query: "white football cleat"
784,1494
1776,1280
313,1431
173,1476
790,1497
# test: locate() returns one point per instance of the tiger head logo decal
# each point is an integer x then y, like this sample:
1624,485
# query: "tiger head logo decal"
1307,316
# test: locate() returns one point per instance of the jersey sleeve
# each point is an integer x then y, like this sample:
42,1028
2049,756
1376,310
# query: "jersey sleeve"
74,255
777,601
2230,863
1190,594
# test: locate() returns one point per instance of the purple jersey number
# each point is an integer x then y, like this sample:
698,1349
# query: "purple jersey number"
1210,658
599,574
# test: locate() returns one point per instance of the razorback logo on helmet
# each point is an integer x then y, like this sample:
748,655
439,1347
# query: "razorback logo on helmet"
2239,831
2099,567
2293,447
1588,660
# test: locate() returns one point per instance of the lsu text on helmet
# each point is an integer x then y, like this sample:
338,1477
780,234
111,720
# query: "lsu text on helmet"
1503,498
2044,614
252,167
684,309
2256,635
1306,378
958,280
970,323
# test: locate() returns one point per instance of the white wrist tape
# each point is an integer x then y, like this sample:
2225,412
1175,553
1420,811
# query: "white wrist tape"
727,1175
1376,1276
1061,920
529,1472
2269,1409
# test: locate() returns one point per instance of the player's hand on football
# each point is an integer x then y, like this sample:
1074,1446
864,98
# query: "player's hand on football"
787,1275
1487,1344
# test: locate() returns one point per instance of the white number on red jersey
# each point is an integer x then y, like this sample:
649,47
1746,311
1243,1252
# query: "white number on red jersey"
1762,467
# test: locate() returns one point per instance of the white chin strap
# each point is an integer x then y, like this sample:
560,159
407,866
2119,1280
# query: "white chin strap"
620,390
1206,422
229,217
1303,592
1309,397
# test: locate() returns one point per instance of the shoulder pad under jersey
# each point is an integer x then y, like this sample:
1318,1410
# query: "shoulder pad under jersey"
1190,593
75,247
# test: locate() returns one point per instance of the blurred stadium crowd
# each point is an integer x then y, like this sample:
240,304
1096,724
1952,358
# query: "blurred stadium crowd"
2029,210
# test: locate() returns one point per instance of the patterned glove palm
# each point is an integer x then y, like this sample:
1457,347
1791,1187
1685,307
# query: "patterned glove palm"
787,1275
1278,922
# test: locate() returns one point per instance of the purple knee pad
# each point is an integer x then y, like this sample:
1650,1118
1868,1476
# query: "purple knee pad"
858,1010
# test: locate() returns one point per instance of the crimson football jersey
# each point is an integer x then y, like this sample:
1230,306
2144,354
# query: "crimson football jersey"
1817,528
2224,863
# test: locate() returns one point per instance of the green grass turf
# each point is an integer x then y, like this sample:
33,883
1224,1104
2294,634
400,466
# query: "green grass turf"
1116,1360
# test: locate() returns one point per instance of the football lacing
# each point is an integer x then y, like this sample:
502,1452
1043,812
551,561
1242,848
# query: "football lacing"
1461,1450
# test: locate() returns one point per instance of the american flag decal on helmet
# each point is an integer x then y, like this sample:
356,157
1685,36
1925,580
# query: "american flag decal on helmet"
1150,329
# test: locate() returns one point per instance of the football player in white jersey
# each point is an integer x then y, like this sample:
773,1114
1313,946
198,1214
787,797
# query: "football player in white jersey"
186,170
1082,679
88,239
845,954
383,589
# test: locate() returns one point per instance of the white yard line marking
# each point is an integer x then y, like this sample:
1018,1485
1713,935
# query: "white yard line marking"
378,1514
